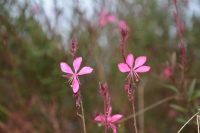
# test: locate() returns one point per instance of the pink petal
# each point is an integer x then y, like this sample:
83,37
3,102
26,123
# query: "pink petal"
102,14
130,60
123,67
140,61
77,63
113,128
109,111
115,118
85,70
65,68
75,85
67,75
122,24
102,22
167,72
98,118
111,18
143,69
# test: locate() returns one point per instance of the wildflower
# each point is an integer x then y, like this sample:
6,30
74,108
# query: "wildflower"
104,17
122,25
108,120
73,76
167,72
138,67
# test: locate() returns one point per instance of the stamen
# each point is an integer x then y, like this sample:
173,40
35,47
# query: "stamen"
138,77
128,76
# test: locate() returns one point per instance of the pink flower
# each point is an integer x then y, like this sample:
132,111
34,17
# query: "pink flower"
104,17
122,25
138,67
35,9
74,75
109,121
168,70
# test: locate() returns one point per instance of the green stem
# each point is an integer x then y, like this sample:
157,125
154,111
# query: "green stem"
134,115
83,117
148,108
82,112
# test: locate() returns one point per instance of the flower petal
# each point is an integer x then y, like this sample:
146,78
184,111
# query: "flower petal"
85,70
75,85
111,18
143,69
123,67
109,111
98,118
102,22
65,68
103,14
140,61
77,63
115,118
113,128
122,25
130,60
67,75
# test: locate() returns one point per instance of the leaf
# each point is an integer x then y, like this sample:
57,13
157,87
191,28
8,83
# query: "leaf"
171,87
178,108
196,95
181,120
191,89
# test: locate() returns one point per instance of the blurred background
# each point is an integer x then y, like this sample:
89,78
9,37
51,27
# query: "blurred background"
34,39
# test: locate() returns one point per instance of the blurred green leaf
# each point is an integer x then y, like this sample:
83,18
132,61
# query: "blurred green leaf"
196,95
3,116
181,120
191,90
178,108
171,87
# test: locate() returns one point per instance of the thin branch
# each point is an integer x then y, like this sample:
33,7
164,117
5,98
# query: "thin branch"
148,108
134,114
188,122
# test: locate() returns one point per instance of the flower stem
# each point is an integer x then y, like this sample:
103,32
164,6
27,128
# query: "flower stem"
134,116
150,107
83,117
105,113
188,121
82,113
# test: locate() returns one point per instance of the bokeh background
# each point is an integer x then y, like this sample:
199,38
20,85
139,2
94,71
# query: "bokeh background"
34,39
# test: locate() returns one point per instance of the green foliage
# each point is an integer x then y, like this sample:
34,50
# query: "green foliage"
173,88
178,108
191,90
196,95
33,91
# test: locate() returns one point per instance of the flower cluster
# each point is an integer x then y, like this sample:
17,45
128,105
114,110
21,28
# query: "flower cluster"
105,18
126,67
